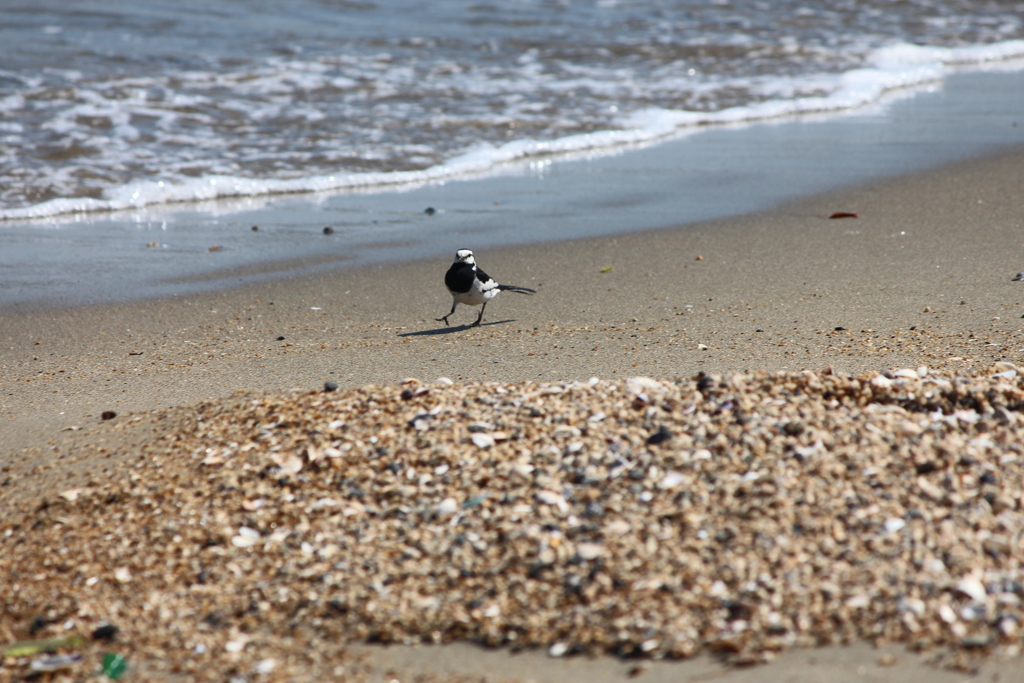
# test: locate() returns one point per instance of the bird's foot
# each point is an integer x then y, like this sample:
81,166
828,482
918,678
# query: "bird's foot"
444,320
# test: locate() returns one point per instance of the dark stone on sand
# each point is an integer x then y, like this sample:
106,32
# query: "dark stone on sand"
280,338
328,230
214,619
330,386
840,329
793,428
105,632
660,436
593,510
108,415
38,624
430,211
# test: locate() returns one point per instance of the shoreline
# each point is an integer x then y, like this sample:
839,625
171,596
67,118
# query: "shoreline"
710,174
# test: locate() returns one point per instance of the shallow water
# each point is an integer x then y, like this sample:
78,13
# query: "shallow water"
707,174
108,105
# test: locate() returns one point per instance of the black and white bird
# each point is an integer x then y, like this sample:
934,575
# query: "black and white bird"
471,286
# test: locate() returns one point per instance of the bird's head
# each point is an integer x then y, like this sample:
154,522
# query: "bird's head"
465,256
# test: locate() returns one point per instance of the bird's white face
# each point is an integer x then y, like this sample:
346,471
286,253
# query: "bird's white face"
464,256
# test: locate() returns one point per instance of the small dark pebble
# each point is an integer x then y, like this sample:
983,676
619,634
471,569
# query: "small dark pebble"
330,386
593,510
638,670
38,624
430,211
660,436
725,536
759,330
135,353
328,230
280,338
704,383
108,415
255,228
793,428
104,632
840,329
913,327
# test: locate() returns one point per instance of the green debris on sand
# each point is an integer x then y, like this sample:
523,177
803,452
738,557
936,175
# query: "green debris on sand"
114,665
25,648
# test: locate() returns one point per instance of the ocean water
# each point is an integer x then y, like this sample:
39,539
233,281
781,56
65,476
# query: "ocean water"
108,105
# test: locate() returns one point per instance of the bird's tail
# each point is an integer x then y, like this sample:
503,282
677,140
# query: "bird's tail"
513,288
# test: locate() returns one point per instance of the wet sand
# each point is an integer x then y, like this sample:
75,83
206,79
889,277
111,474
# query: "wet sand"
921,277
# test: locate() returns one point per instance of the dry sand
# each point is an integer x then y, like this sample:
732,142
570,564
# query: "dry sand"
922,276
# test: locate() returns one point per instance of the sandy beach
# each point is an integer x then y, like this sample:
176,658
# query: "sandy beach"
923,275
920,277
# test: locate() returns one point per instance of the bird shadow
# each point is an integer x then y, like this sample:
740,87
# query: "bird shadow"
450,330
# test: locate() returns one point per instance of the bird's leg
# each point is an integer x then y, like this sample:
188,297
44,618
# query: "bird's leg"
481,316
445,319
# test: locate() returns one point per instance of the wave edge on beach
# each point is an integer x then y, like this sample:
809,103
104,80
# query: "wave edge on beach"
892,68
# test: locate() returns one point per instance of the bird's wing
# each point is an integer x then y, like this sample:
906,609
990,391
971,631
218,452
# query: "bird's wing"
485,279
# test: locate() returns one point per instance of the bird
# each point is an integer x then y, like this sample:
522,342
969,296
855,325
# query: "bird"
471,286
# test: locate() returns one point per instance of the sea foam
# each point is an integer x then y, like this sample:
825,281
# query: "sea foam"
895,66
